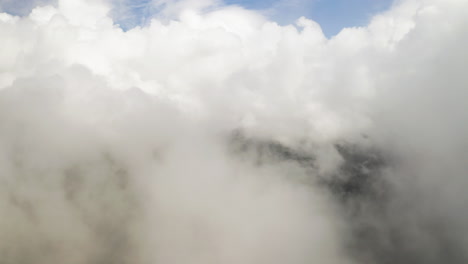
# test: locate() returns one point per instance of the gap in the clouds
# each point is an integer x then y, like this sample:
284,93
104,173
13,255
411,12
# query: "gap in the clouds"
131,13
252,4
332,15
22,7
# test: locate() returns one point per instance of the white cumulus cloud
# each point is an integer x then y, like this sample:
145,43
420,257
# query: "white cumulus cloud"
213,135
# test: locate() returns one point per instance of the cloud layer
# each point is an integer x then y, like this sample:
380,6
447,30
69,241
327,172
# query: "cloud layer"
213,135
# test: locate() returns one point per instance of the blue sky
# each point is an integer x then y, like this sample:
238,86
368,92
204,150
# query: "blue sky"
332,15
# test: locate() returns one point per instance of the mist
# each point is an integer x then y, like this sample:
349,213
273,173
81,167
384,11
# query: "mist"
211,134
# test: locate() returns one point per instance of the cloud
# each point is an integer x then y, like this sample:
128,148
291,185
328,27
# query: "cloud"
213,135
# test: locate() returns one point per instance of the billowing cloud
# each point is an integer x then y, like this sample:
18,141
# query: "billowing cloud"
213,135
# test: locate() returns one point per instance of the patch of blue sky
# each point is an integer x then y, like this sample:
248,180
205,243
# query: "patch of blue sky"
332,15
131,13
22,7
